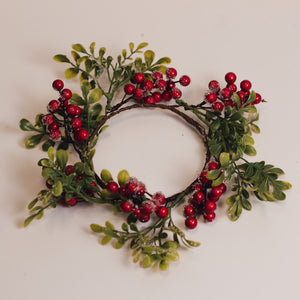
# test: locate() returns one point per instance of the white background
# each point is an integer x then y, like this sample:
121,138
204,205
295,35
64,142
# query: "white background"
58,257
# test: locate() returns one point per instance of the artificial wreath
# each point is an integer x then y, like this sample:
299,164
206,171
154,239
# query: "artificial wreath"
224,118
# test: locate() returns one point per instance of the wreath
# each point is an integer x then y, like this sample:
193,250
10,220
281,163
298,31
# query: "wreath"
224,118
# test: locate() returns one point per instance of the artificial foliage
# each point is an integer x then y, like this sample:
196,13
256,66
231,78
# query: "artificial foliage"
225,118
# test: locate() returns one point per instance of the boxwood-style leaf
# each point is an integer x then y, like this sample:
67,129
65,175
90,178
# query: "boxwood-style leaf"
213,174
218,181
77,100
95,110
141,45
250,150
163,265
79,48
61,58
85,88
123,177
215,125
106,176
283,185
246,204
51,153
224,159
95,96
149,57
25,125
46,145
255,128
106,239
71,73
33,141
163,61
28,220
57,189
62,158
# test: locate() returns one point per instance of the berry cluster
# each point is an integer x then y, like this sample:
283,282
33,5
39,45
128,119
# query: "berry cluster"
219,98
152,89
70,113
204,198
135,202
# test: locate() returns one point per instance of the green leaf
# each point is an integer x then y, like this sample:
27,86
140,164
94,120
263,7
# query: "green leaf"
88,65
57,189
92,47
46,145
95,96
214,147
147,262
33,141
236,116
218,181
123,177
163,265
109,225
283,185
77,100
25,125
231,200
75,55
149,57
232,211
237,99
251,98
28,220
51,154
97,228
278,194
106,176
131,47
224,159
71,73
276,171
102,51
32,203
163,60
170,244
141,45
250,109
173,255
85,88
213,174
250,150
106,239
133,227
255,128
215,125
119,244
61,58
95,110
79,48
125,226
249,140
246,204
44,162
48,173
62,158
193,243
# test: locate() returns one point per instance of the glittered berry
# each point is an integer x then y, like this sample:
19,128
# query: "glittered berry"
166,95
159,198
147,207
184,80
71,109
232,87
245,85
198,197
83,135
157,75
66,94
230,77
144,218
162,212
68,169
58,84
77,111
257,98
176,93
150,100
157,96
210,217
214,86
126,207
71,202
223,187
225,93
112,187
47,119
139,94
161,84
129,88
211,97
139,77
53,126
55,135
137,213
198,187
171,73
210,206
131,187
53,106
147,85
141,190
218,106
216,191
189,211
213,165
191,222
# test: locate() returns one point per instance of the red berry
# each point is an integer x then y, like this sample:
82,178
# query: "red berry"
71,109
191,222
147,85
150,100
147,207
58,84
218,106
77,111
66,94
83,135
166,95
213,165
241,95
232,87
210,217
189,211
161,84
53,106
213,198
72,202
245,85
159,198
216,191
126,206
228,102
257,98
139,94
203,177
211,97
139,77
79,177
137,213
131,187
76,123
184,80
198,197
176,93
141,190
144,218
171,73
64,103
230,77
68,169
210,206
93,183
223,187
198,187
225,93
47,119
53,126
162,212
129,88
157,75
55,135
157,96
214,86
170,84
112,187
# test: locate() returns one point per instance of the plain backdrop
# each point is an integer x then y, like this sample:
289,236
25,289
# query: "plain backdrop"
58,257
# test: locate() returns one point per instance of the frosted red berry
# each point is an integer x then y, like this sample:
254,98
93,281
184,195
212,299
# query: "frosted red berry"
210,217
226,93
189,211
83,135
214,86
137,213
203,177
161,84
157,75
176,93
53,126
126,206
139,77
131,187
218,106
245,85
213,165
53,106
232,87
147,207
170,84
210,206
141,190
191,222
139,94
112,187
211,97
166,95
150,100
157,96
66,94
76,123
129,88
71,109
147,85
55,135
144,218
47,119
162,212
159,198
171,73
58,84
184,80
230,77
198,187
242,95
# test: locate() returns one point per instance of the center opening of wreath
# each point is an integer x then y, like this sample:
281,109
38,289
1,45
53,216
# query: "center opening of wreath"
157,147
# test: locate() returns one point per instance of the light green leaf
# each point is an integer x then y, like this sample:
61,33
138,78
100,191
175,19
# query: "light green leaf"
224,159
249,140
51,154
79,48
77,100
95,96
92,47
163,61
149,57
28,220
218,181
106,176
255,128
71,73
123,177
97,228
141,45
131,47
62,158
57,189
163,265
250,109
283,185
106,239
213,174
61,58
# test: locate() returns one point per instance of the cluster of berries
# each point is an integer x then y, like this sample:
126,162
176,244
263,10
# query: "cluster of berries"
219,98
204,198
63,108
152,89
135,202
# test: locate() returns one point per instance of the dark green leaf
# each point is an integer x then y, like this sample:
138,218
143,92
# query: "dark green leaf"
88,65
276,171
246,204
46,145
25,125
61,58
125,226
75,55
33,141
133,227
77,100
95,110
278,194
215,125
92,47
32,203
283,185
237,99
85,88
